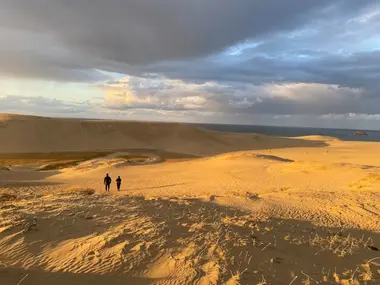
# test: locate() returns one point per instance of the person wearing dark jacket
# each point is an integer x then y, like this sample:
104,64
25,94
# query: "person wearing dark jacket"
118,183
107,182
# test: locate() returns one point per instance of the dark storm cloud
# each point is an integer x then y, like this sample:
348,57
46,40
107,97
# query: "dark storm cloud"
143,31
361,69
113,34
39,66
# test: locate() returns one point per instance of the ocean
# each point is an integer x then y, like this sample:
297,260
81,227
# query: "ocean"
342,134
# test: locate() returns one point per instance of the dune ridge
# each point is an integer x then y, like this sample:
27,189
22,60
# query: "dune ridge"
29,134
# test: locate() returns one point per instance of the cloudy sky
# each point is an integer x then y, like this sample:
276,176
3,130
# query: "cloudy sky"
268,62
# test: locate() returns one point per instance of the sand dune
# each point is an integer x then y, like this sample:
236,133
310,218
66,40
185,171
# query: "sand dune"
195,207
75,237
28,134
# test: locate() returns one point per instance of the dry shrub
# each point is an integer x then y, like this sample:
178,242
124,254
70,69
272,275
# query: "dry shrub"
5,197
59,165
81,191
252,196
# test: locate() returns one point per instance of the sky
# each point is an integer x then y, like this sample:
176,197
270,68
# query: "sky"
263,62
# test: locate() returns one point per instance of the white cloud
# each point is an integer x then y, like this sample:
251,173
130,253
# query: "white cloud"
47,106
272,99
134,93
312,93
352,116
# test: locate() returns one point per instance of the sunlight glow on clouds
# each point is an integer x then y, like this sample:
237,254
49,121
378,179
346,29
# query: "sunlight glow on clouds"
313,92
271,98
162,94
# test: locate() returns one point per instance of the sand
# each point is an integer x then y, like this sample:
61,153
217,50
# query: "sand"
195,207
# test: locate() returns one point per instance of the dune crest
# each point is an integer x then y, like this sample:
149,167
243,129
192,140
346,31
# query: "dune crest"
60,135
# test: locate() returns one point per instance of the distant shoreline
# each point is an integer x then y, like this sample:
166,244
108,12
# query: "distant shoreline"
342,134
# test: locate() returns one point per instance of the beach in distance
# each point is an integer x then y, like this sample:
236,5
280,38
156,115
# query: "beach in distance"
342,134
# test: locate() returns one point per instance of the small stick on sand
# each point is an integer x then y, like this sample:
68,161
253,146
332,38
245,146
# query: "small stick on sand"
19,282
353,274
369,261
309,277
367,242
241,273
88,212
294,279
266,246
320,251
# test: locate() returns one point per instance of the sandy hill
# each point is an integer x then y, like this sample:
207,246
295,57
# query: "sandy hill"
272,210
22,134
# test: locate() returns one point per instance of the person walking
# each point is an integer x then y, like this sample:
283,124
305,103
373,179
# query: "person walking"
107,182
118,183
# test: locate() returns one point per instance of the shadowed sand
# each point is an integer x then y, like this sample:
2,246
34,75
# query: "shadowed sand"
28,134
195,207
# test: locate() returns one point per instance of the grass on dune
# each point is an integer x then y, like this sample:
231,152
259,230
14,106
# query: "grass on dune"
50,160
54,155
60,165
59,160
